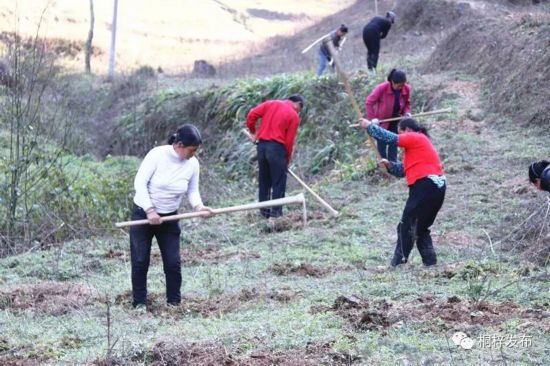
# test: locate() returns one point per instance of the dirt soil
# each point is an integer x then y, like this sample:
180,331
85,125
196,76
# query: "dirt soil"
308,270
440,314
194,256
290,221
214,306
302,269
215,354
54,298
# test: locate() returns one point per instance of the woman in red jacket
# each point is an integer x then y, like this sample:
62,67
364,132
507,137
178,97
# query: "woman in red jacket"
388,100
422,168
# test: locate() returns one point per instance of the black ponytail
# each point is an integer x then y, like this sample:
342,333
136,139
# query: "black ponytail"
187,134
536,169
413,125
397,76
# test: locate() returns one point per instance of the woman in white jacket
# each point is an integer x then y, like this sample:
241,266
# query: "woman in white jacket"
166,174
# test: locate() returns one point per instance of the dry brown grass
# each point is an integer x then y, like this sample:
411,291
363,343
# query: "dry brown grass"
167,34
54,298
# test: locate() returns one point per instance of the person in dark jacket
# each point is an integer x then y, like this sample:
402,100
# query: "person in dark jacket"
373,32
539,174
338,38
424,174
275,142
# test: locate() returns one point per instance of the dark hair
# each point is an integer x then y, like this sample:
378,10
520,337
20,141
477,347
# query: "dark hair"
188,135
391,16
413,125
536,169
397,76
343,28
297,98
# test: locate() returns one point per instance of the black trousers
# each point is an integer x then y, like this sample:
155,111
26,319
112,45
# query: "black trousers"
372,42
424,202
387,151
272,163
168,238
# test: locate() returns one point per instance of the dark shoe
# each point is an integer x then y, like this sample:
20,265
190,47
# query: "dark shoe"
426,249
397,261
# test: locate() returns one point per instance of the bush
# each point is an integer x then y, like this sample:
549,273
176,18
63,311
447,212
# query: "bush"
220,114
78,197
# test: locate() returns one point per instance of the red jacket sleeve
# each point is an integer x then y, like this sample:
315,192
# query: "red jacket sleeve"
291,136
253,116
407,140
372,99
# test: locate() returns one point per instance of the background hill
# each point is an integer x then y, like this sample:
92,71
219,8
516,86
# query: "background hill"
169,34
259,292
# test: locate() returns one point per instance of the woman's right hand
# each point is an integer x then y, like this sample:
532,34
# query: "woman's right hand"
153,217
384,163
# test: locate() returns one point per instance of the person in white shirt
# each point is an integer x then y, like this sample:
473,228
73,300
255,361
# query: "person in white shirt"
166,174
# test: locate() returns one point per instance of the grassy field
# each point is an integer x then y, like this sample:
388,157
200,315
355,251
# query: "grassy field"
259,292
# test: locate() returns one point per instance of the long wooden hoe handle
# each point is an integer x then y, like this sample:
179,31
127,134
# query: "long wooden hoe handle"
344,78
315,195
299,198
303,184
422,114
314,43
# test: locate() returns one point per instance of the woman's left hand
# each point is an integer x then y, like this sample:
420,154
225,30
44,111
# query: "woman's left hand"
205,209
364,123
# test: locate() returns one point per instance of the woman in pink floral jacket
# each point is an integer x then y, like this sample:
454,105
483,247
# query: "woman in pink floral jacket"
389,99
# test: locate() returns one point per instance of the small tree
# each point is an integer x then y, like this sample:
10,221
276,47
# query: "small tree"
34,139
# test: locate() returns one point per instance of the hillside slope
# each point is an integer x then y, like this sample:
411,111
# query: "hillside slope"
167,34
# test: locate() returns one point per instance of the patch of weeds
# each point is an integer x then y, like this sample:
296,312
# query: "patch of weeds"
302,269
73,342
4,345
473,270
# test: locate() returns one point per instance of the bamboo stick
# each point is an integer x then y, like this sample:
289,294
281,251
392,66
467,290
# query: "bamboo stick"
314,43
303,184
315,195
422,114
344,79
299,198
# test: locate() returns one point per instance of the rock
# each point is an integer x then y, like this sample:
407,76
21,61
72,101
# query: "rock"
475,114
203,68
